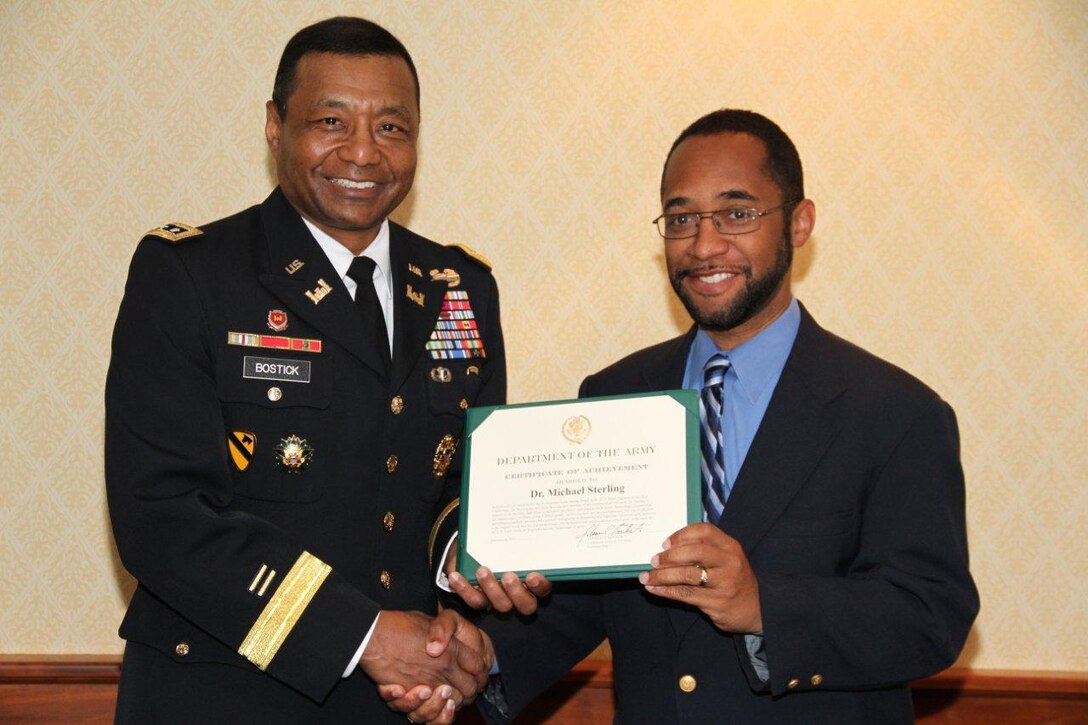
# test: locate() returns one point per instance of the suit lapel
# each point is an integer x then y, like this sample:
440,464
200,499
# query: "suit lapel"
793,436
796,431
333,313
416,302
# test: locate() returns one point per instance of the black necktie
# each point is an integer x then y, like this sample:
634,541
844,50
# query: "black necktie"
366,301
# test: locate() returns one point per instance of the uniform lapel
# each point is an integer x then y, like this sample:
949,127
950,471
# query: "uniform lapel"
796,431
416,302
289,242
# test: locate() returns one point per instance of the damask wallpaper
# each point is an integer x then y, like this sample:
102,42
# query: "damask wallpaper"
944,145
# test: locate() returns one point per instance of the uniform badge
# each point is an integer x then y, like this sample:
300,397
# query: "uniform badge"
415,270
277,320
294,266
449,276
317,294
441,375
274,342
455,335
294,454
175,232
240,444
414,296
443,455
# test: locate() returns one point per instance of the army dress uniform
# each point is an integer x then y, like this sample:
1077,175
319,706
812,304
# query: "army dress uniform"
270,485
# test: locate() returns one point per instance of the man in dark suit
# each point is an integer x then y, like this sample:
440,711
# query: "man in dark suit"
283,411
831,568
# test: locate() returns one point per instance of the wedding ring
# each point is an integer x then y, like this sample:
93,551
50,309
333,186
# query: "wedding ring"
703,576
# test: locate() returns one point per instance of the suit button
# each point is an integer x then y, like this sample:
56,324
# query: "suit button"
396,405
182,649
688,683
792,684
816,679
386,579
391,463
388,520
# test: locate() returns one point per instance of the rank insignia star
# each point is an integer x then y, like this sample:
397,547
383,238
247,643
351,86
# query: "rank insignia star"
293,454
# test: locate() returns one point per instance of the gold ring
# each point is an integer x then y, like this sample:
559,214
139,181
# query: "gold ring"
704,578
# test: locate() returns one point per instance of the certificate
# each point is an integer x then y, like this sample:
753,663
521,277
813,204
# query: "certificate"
578,489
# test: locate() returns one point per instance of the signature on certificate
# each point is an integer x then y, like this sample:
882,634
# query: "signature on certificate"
598,533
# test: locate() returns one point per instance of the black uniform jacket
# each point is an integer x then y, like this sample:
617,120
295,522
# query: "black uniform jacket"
268,486
850,507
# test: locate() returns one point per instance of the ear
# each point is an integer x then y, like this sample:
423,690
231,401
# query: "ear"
273,125
802,222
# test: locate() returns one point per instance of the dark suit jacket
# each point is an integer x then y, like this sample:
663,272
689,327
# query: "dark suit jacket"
347,535
850,507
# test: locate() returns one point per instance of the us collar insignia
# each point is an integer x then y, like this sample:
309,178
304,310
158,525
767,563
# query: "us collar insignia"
447,275
414,296
318,294
293,454
241,443
415,270
294,266
443,455
277,320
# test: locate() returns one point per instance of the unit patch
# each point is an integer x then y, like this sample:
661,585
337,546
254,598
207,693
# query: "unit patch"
455,335
277,320
240,444
273,342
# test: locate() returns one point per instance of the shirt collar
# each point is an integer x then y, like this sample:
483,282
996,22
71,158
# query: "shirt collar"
341,257
758,361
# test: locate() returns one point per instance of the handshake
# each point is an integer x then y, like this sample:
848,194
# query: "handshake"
429,668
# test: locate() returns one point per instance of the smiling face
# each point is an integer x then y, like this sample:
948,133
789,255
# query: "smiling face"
732,285
346,150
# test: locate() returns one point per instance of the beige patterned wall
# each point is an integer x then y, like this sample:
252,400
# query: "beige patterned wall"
944,144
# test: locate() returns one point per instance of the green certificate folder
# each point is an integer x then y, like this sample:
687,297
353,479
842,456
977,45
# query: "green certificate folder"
578,489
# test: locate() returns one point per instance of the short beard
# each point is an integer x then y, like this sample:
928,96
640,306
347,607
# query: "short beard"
753,298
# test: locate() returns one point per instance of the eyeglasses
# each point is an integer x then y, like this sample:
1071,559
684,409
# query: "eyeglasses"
735,220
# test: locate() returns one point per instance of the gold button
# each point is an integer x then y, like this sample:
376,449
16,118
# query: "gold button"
386,579
816,680
388,520
793,683
182,649
396,405
391,463
274,393
464,404
687,683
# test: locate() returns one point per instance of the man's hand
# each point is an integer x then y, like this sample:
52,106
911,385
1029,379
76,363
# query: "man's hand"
408,649
509,593
730,594
423,704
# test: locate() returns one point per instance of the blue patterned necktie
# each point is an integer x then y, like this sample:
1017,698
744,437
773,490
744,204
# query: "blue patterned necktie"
715,488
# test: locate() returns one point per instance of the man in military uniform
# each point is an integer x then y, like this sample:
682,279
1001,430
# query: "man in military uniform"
283,410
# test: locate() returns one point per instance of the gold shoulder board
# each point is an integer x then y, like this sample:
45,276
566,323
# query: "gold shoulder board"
174,232
473,255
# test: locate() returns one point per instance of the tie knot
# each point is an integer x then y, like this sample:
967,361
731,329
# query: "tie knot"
362,269
714,370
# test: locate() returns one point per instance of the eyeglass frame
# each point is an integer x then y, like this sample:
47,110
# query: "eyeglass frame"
704,214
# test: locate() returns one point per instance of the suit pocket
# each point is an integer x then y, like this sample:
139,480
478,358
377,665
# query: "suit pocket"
796,527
